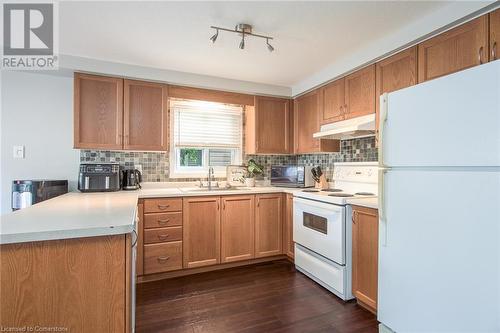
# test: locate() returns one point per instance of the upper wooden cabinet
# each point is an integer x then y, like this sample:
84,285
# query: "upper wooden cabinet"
365,256
360,93
145,121
98,112
494,35
268,225
454,50
306,122
237,228
268,126
333,102
288,244
394,73
201,231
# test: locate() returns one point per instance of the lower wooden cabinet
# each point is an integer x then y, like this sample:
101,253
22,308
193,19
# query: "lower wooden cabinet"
139,269
289,245
268,225
162,257
201,231
237,228
365,256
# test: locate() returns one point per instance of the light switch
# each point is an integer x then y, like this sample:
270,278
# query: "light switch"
18,151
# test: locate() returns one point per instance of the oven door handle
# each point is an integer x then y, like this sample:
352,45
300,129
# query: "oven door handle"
312,203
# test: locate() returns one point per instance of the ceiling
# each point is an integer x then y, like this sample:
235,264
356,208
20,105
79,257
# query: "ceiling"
175,35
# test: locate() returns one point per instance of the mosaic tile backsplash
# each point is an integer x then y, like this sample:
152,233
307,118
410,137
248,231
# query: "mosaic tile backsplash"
155,165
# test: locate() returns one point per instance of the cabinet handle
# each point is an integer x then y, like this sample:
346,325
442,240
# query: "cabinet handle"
163,222
341,110
163,207
494,51
354,217
480,55
217,205
163,237
258,202
162,259
224,205
345,110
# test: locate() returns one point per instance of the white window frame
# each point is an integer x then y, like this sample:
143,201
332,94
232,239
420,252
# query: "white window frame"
176,171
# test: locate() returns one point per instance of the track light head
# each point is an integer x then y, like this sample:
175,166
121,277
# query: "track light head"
269,46
242,43
214,37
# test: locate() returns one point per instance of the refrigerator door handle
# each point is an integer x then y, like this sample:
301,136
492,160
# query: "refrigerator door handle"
381,206
381,125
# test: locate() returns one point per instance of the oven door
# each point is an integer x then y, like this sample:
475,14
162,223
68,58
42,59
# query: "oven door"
320,227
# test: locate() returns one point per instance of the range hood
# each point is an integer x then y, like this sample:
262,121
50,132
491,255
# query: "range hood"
359,127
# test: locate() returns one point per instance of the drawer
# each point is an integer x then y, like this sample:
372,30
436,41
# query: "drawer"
162,205
162,220
159,235
162,257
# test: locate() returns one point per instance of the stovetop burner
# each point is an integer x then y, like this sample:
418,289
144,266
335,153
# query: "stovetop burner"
344,195
331,190
364,193
310,190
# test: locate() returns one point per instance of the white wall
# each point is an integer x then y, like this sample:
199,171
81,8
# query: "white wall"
37,112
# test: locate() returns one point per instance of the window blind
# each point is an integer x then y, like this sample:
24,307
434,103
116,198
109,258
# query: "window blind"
206,124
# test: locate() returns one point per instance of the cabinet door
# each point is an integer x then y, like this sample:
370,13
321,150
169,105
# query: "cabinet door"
494,35
145,123
365,256
332,109
201,231
268,225
454,50
288,244
396,72
272,125
360,93
237,228
306,122
98,112
140,240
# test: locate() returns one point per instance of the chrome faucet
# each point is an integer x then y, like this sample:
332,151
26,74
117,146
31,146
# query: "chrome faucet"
210,176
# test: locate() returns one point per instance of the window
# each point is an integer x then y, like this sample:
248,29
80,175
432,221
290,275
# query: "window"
203,135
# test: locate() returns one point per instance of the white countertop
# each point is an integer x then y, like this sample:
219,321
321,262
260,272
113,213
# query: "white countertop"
364,202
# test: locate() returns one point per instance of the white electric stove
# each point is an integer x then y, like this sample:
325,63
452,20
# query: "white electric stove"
322,226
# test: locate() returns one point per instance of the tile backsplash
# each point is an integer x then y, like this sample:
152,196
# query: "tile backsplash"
155,165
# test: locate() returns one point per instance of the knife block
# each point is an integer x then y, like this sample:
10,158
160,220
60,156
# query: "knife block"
322,184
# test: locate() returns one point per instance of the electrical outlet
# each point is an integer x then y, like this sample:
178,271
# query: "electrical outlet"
18,151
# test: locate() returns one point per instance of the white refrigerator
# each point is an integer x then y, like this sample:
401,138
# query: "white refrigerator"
439,204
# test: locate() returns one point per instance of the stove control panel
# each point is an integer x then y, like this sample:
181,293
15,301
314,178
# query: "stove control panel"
356,172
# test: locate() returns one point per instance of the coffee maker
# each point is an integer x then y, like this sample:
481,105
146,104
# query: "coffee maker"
131,179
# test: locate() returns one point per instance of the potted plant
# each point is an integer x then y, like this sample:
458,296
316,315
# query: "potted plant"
253,169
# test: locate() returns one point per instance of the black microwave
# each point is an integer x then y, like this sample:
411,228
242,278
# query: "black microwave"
291,176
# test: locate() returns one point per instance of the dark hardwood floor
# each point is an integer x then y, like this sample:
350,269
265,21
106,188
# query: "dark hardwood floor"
267,297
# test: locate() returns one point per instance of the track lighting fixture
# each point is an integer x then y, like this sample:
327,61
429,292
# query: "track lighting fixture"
244,30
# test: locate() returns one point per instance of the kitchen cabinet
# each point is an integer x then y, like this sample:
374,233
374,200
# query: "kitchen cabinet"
162,257
306,123
268,225
98,112
333,102
288,244
494,35
140,240
365,256
459,48
201,231
237,228
394,73
360,93
80,284
268,126
145,121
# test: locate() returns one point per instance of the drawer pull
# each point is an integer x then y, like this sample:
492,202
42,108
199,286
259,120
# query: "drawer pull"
163,207
163,237
163,259
163,222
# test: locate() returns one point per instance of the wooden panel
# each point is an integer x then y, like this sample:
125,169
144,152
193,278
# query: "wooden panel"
360,93
145,110
161,220
159,235
98,112
271,125
162,257
307,123
250,128
201,236
289,248
268,225
210,95
495,35
78,284
462,47
237,228
365,256
333,102
140,240
394,73
162,205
